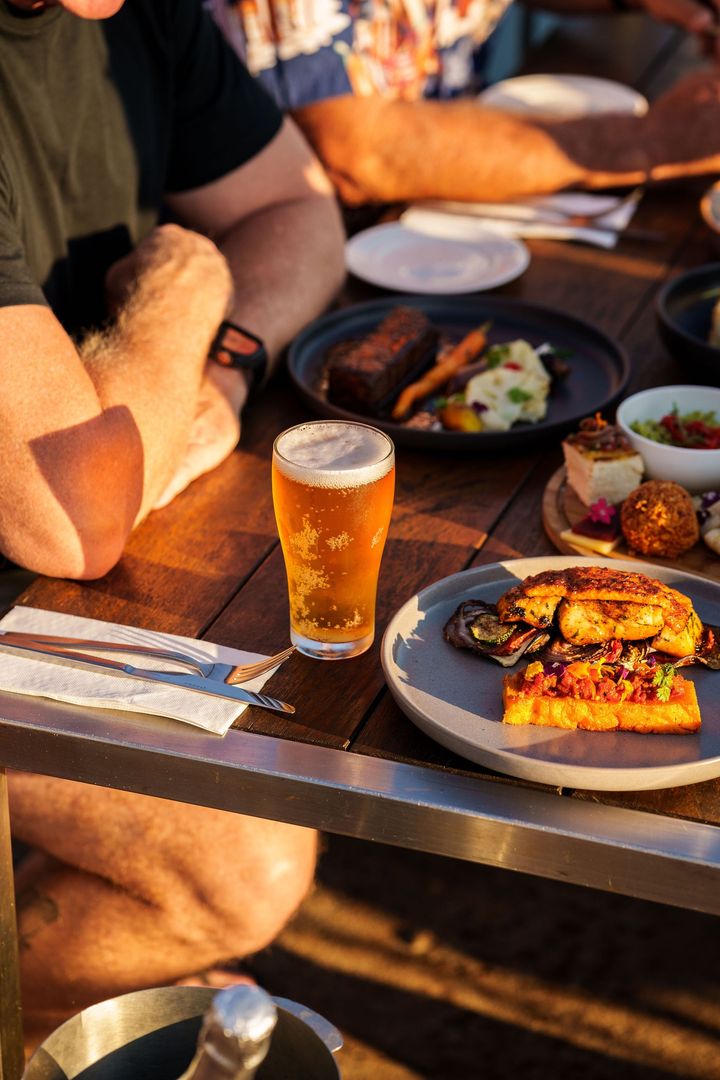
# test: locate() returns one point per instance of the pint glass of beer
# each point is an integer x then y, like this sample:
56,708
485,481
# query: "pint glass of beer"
333,485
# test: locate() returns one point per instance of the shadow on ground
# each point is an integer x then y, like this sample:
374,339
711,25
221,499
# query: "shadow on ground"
438,969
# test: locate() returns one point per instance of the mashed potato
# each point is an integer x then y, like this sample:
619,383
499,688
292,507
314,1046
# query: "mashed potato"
515,389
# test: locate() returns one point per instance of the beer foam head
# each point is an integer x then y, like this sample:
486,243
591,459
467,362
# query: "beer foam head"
334,454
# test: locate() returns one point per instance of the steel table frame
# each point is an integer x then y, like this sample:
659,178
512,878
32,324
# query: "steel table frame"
506,825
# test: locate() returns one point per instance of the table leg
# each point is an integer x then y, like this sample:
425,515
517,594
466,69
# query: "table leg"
12,1057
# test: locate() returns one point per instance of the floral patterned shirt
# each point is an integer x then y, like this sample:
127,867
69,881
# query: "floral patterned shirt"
308,50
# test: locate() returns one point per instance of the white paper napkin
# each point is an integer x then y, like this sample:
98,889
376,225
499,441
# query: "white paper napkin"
540,218
62,680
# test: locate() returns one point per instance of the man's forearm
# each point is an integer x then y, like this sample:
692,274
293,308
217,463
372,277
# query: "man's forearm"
287,265
89,440
397,151
153,358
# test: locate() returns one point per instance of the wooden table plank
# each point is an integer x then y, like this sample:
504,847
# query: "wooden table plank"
11,1043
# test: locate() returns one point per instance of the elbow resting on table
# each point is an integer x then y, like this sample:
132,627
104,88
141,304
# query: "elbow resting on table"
71,515
59,545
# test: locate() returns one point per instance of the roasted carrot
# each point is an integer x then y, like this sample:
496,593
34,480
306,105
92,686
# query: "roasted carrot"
465,351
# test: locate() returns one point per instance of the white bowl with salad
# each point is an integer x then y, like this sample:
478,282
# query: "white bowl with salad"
676,430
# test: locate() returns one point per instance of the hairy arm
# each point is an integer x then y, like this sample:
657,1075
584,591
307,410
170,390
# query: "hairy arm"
396,151
82,452
91,440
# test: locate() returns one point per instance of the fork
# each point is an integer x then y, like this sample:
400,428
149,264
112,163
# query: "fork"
217,671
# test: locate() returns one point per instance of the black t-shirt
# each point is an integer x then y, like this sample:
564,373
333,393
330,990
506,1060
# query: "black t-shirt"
98,121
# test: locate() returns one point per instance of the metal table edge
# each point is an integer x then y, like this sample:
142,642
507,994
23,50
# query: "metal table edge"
634,852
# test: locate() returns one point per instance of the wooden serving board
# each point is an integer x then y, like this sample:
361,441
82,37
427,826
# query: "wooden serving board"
561,509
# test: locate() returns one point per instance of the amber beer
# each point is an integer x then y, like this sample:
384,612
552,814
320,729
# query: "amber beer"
333,486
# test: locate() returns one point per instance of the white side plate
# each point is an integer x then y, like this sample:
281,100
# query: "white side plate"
395,257
455,696
563,96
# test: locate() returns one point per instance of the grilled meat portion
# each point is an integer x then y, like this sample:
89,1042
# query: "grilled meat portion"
365,376
535,610
683,642
586,622
601,583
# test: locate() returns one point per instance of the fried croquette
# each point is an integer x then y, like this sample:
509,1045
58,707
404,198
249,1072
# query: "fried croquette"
658,518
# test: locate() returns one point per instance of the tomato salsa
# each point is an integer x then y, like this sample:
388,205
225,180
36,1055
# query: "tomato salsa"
603,682
693,430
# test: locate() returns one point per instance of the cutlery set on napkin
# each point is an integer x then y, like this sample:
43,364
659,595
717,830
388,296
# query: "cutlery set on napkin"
599,219
106,665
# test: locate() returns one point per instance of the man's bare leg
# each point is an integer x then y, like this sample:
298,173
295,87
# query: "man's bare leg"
126,891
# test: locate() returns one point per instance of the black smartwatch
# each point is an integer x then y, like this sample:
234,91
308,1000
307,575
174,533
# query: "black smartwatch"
235,347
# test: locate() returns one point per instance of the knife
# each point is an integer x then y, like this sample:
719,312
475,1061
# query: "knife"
186,681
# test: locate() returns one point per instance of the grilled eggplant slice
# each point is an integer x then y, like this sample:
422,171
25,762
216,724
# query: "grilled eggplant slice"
487,630
560,651
457,630
476,625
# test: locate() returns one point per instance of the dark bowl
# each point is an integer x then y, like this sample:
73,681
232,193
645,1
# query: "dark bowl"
684,311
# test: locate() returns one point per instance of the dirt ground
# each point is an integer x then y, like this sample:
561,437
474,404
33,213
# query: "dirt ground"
442,970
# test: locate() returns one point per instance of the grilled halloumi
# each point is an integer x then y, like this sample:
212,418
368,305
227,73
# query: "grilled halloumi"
586,622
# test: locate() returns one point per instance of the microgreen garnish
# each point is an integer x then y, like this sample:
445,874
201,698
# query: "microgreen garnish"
663,680
496,354
517,395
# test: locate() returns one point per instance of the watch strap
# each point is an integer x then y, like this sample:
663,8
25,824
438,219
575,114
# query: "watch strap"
235,347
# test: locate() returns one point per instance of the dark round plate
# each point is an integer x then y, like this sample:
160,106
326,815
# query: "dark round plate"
598,376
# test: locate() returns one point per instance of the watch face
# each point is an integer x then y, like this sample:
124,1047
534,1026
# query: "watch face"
234,344
237,348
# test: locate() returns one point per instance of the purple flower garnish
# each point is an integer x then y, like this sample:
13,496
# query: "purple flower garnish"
554,668
602,511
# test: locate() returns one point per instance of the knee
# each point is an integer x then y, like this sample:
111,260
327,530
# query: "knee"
244,896
275,881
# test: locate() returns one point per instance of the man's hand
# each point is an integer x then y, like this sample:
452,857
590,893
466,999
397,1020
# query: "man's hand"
175,266
171,258
215,429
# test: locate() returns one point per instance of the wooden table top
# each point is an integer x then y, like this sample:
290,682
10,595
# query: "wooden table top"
210,565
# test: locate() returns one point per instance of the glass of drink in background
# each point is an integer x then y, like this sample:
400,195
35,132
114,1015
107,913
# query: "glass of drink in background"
333,486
